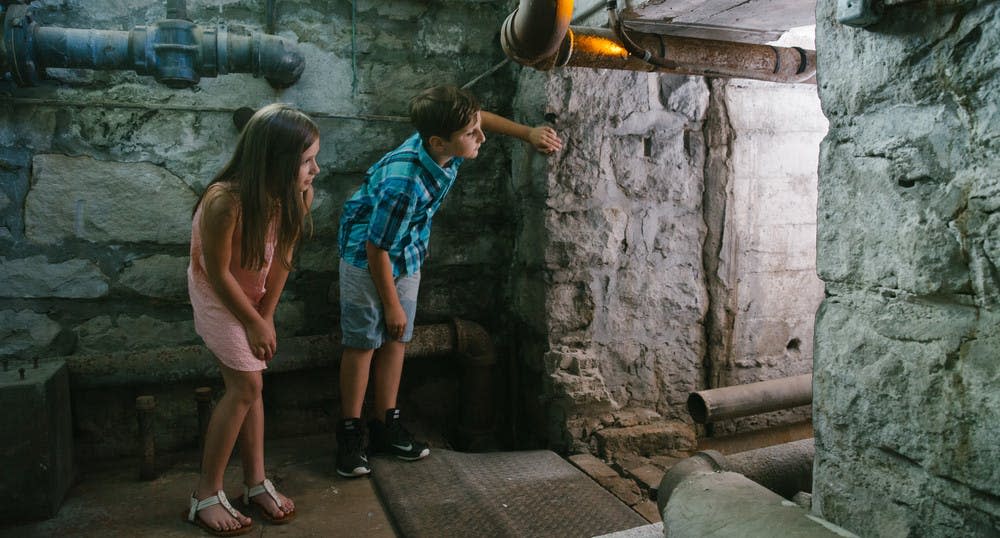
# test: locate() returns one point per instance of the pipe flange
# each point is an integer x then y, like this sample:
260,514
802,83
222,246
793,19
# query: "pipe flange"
19,42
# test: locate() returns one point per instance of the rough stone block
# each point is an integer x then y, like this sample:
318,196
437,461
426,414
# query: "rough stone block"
648,477
37,451
646,440
35,277
648,510
81,197
594,467
624,489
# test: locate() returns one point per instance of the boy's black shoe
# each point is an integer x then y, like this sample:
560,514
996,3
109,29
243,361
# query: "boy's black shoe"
351,457
390,437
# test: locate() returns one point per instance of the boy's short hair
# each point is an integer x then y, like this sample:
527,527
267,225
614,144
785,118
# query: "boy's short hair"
442,110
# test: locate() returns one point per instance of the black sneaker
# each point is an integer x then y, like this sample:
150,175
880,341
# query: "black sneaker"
351,457
390,437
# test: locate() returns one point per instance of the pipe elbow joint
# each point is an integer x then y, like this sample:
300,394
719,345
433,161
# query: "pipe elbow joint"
279,62
535,34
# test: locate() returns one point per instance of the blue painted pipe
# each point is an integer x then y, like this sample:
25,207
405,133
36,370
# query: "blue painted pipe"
175,52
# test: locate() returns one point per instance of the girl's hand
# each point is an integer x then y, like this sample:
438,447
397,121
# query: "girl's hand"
395,320
544,139
262,338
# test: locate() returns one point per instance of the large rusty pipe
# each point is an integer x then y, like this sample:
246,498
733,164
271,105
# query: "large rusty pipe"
537,34
743,400
601,48
534,31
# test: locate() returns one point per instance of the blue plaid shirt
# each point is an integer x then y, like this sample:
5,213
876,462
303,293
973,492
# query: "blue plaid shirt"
394,206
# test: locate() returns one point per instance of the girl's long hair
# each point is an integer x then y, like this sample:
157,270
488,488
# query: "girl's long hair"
265,169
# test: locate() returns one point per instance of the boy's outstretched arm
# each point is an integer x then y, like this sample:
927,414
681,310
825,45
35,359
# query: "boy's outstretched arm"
542,137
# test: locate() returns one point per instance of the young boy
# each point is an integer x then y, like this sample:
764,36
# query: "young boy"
383,239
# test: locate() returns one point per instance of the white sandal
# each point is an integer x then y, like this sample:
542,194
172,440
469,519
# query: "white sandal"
218,498
266,487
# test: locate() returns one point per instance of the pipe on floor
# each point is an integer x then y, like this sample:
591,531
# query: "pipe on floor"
737,401
701,497
537,34
468,341
784,469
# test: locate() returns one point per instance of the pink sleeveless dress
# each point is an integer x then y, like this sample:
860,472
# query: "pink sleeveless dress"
223,332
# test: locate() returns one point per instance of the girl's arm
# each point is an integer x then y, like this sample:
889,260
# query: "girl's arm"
543,138
381,270
275,284
217,226
278,275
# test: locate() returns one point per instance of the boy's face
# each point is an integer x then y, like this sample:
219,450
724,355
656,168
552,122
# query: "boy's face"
465,142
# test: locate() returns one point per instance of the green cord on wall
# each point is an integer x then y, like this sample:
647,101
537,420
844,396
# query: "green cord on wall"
354,47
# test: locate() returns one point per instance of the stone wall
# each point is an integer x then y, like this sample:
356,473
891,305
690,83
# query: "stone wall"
669,248
608,278
760,205
906,367
99,171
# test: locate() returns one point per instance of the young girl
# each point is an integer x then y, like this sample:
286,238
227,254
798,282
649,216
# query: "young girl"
244,230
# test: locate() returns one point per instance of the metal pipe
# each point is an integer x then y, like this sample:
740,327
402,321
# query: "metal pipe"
535,30
785,469
175,52
269,16
743,400
467,340
144,406
601,48
699,497
177,9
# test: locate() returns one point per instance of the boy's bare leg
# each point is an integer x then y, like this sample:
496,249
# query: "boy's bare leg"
354,367
242,390
252,455
388,371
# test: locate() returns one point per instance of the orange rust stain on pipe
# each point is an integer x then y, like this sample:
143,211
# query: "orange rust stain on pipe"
599,46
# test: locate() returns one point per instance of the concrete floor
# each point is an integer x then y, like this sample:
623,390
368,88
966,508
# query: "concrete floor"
111,501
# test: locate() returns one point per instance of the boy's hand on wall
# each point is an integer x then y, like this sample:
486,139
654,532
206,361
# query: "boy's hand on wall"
545,139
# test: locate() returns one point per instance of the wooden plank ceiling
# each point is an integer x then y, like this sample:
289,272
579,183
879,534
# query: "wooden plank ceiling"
751,21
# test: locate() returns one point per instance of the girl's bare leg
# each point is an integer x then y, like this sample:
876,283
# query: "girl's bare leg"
252,455
242,390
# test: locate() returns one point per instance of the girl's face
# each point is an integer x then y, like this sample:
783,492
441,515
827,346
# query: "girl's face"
308,167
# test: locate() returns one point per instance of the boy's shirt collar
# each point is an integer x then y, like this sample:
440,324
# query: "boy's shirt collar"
447,171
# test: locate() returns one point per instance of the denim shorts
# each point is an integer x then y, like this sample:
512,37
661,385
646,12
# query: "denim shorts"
362,323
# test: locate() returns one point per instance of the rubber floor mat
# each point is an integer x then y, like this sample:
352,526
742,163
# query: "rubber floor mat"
515,494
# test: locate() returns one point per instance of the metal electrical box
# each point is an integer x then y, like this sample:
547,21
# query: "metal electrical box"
36,439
